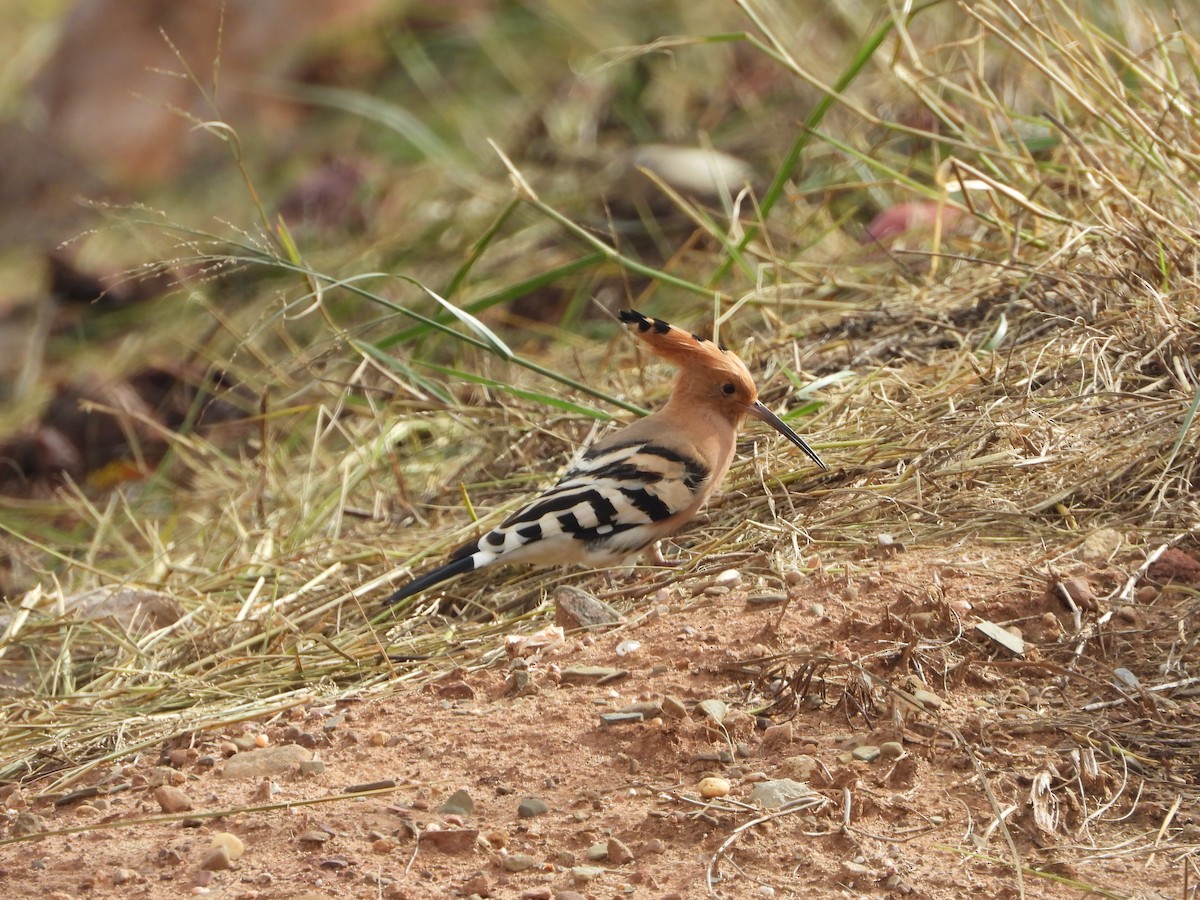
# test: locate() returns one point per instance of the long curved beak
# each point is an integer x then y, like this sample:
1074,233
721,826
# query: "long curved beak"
761,412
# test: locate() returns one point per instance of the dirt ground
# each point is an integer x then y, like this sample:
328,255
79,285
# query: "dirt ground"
932,756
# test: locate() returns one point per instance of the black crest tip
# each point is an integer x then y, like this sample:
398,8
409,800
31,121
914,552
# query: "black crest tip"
633,317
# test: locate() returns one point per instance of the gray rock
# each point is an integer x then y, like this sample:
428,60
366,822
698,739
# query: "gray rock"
518,862
575,608
621,718
927,699
866,753
457,804
266,762
588,674
530,807
780,792
716,710
28,823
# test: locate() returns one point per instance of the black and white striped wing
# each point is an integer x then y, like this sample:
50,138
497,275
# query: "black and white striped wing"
609,505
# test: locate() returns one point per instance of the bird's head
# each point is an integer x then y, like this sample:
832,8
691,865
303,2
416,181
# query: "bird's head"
709,375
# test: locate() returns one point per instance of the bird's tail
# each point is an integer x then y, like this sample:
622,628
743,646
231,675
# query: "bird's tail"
429,579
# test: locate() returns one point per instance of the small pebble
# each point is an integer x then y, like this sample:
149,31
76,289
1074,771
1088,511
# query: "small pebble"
597,852
530,807
777,735
866,753
802,766
588,674
922,621
1080,592
496,839
585,873
728,578
673,707
892,749
216,860
625,648
233,844
712,787
716,710
456,840
927,699
618,852
622,718
458,804
472,887
781,791
575,608
266,762
518,862
171,799
1127,678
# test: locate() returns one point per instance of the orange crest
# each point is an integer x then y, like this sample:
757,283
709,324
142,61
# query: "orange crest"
686,350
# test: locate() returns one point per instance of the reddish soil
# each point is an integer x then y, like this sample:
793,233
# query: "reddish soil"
1008,742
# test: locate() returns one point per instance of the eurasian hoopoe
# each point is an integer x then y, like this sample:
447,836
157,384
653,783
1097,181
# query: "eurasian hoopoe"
639,484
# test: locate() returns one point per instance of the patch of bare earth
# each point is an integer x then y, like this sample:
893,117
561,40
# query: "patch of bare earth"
935,758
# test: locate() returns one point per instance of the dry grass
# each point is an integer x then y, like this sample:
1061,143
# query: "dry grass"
1028,377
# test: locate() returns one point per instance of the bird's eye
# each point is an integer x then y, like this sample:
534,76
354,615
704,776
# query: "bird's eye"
728,387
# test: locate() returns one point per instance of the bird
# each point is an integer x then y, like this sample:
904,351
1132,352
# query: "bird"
639,484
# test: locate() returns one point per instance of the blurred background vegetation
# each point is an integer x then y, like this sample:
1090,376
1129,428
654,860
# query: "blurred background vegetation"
292,294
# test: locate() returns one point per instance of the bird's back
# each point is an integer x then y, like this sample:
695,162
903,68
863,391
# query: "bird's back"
617,497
